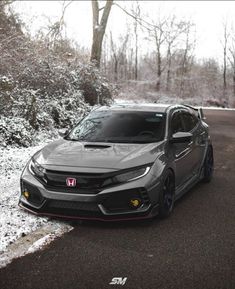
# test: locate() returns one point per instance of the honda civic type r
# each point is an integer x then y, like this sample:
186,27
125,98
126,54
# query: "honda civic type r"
120,162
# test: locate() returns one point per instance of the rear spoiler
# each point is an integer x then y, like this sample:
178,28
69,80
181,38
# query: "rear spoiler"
198,110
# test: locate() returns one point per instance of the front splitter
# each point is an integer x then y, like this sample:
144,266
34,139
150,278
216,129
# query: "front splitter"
152,213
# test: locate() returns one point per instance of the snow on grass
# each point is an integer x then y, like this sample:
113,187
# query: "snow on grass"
46,240
15,222
34,241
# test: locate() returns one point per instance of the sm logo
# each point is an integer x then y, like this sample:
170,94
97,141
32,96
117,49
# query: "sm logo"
118,281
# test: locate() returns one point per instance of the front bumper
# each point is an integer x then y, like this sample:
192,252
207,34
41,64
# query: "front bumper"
110,204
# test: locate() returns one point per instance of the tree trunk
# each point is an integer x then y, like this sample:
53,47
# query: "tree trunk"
225,71
136,49
99,29
115,69
168,78
233,86
136,56
96,48
159,70
226,35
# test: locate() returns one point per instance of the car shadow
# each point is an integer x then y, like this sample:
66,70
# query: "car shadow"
114,224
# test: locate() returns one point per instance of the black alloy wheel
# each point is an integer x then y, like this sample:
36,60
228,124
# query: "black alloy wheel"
208,165
167,195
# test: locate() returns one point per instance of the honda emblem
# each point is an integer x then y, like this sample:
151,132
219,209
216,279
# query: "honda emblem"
71,182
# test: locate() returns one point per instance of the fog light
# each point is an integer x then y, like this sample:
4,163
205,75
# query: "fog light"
26,194
135,203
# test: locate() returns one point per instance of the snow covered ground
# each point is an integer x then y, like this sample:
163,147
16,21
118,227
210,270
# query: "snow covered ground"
15,223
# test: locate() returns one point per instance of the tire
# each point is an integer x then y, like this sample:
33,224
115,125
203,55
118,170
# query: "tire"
167,195
208,167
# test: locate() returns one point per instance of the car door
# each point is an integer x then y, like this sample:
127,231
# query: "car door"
183,152
192,124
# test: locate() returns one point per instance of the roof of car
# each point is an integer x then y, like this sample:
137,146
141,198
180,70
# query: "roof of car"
158,107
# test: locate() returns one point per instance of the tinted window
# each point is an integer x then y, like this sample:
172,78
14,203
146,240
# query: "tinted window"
190,121
195,119
116,126
176,123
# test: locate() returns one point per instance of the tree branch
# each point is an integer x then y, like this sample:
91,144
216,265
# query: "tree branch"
106,12
140,21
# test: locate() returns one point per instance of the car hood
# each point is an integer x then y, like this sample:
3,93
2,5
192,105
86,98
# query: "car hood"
112,156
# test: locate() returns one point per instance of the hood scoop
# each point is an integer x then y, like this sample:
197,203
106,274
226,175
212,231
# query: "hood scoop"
96,146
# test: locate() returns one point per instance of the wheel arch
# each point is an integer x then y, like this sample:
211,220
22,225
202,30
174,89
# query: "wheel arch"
173,172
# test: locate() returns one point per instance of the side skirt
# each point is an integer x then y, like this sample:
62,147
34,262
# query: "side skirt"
181,190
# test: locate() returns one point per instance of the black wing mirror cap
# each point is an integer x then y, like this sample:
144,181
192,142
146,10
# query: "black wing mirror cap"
181,137
63,132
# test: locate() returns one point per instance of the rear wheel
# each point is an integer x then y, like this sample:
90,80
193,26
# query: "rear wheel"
167,195
208,165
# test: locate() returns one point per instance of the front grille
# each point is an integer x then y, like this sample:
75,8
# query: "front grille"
85,183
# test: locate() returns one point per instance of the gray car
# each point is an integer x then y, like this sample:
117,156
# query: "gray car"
120,162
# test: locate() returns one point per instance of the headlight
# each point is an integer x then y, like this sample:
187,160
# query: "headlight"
36,169
132,175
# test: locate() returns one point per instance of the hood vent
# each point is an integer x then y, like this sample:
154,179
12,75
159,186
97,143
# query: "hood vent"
96,146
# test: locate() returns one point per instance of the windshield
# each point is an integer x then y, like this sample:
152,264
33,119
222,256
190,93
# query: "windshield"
120,127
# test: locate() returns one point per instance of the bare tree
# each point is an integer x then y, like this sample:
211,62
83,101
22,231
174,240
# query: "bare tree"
99,27
156,30
175,28
136,14
231,58
225,44
159,36
118,52
55,29
187,56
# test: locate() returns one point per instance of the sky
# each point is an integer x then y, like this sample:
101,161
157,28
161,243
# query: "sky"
208,17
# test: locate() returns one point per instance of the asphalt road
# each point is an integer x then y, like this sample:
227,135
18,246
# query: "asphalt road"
194,248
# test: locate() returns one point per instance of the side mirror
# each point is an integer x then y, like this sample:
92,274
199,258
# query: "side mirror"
63,132
181,137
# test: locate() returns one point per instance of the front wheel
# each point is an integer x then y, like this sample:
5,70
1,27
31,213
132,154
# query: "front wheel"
208,165
167,195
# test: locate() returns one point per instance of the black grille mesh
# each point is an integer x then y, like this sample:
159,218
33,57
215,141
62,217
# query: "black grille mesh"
85,183
73,205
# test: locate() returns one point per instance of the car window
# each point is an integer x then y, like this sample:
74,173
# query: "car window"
120,126
189,120
195,119
176,123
